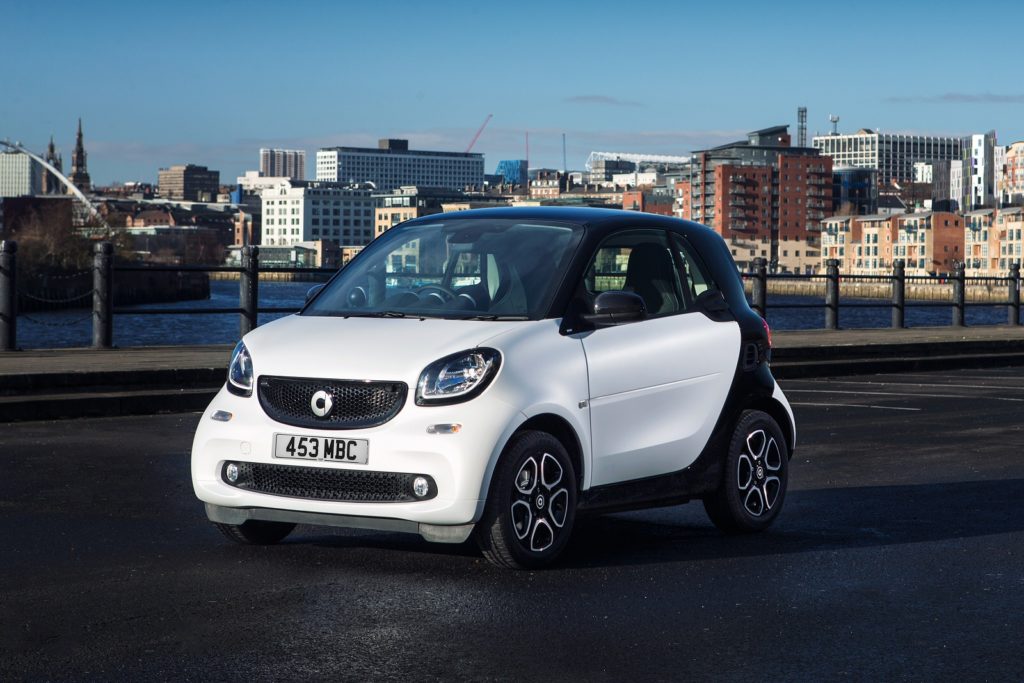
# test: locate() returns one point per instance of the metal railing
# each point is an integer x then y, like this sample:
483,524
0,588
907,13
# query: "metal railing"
103,309
898,300
248,310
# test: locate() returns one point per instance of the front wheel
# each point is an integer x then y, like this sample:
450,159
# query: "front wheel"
256,532
531,505
753,487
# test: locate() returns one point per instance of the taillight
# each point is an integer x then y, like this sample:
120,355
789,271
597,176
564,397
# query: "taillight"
767,331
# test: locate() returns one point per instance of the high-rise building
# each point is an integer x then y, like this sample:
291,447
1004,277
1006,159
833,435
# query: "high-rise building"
764,197
297,211
51,184
79,169
19,175
979,189
189,182
283,163
513,171
892,154
393,165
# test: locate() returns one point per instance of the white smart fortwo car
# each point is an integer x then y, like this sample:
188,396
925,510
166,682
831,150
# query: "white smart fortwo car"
494,374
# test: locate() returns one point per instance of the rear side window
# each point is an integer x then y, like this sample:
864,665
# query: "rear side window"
692,273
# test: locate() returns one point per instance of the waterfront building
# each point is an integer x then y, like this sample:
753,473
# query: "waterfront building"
410,202
1012,190
51,184
872,254
392,164
839,235
893,155
1010,237
19,175
297,211
283,163
981,242
929,242
189,182
765,197
79,168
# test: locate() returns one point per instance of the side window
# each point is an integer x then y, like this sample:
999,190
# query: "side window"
637,261
693,274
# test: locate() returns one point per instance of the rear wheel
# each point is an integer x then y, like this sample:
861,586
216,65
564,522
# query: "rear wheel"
256,531
531,505
756,474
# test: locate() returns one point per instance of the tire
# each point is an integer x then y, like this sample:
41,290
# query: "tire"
531,505
753,487
256,532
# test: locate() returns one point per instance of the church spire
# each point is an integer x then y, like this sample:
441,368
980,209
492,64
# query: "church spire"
79,171
50,183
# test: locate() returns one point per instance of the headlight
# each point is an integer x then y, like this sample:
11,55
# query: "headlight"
240,371
458,377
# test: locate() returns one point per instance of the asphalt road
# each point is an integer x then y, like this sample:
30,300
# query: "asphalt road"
900,555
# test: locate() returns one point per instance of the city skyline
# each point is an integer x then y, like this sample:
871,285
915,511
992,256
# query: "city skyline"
203,86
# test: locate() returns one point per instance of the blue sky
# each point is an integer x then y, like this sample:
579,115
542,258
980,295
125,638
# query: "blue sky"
211,82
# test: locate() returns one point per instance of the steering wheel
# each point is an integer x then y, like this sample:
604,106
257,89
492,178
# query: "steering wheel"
445,294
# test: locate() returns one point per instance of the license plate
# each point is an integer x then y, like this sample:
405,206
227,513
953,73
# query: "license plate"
356,451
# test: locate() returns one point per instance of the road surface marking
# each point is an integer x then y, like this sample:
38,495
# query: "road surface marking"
853,405
889,393
923,384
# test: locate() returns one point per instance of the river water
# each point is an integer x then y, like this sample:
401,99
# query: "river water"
64,329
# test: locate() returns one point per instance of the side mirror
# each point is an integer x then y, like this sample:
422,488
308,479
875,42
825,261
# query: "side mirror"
614,307
312,292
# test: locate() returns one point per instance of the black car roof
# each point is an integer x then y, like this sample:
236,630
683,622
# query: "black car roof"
599,219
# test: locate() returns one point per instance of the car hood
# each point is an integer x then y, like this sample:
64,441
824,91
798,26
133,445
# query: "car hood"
363,348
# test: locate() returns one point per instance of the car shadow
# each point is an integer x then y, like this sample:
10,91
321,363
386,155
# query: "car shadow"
813,520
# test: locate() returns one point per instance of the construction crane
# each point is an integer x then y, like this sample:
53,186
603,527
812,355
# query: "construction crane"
479,130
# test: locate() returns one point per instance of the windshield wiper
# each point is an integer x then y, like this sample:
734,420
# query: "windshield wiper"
495,316
377,314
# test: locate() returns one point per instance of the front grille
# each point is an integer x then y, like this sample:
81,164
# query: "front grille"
355,404
322,483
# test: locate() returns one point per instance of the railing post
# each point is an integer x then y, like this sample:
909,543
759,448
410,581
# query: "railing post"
1014,294
899,291
958,294
248,289
8,296
832,294
759,288
103,296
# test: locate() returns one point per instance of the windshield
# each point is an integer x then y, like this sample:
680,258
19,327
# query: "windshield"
486,269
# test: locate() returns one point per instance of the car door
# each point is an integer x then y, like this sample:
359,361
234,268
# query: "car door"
657,385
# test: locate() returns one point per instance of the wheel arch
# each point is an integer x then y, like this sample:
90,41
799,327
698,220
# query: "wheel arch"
778,412
559,428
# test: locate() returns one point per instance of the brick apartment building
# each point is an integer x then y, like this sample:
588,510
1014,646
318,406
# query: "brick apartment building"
764,196
929,242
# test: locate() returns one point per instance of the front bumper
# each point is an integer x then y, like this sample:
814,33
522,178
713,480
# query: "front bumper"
458,465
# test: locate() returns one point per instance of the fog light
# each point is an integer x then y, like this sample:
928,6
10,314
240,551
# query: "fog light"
231,472
221,416
420,486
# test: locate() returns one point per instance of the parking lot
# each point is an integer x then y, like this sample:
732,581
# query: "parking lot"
900,554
